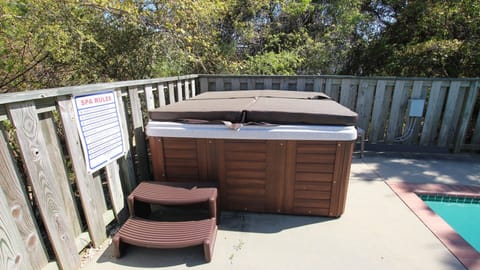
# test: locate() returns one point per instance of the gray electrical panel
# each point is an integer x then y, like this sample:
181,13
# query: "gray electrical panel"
416,107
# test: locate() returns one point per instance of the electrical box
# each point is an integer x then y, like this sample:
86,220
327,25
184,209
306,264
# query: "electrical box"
416,107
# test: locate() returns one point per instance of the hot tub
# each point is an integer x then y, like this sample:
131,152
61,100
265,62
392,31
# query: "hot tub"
268,151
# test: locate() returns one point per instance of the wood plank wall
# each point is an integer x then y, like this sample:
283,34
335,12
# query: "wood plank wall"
451,113
36,176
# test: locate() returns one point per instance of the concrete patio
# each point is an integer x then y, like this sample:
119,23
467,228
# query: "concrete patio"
377,230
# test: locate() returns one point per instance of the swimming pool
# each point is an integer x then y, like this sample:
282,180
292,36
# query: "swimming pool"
462,213
453,241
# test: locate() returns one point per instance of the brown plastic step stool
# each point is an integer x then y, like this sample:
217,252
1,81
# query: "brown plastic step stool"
165,194
160,234
156,234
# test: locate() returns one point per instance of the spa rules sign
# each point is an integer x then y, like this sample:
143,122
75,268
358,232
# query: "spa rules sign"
99,126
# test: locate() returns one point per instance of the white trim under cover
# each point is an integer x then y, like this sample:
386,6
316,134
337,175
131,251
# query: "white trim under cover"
252,132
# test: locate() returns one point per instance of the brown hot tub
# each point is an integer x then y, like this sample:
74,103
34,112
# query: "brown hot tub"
268,151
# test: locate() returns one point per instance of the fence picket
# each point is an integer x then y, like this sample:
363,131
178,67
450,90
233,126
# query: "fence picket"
116,193
364,106
301,84
378,114
418,92
328,87
204,84
219,85
39,168
171,93
250,83
283,83
318,85
88,186
186,86
235,83
476,133
149,97
50,135
434,111
335,91
397,111
268,83
126,163
179,91
141,157
451,114
161,94
14,255
347,94
468,107
18,204
96,192
194,91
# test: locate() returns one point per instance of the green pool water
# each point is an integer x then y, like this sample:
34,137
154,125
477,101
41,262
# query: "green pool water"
463,214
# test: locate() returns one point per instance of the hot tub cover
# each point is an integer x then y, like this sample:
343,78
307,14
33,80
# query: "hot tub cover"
259,106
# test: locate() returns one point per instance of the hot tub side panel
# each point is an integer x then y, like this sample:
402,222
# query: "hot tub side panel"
317,177
251,174
183,160
309,177
275,176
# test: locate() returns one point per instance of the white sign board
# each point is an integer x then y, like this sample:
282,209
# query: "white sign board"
99,125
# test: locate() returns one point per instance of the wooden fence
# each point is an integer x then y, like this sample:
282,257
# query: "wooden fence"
450,117
51,208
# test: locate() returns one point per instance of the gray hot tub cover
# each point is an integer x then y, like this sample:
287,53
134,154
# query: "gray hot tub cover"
259,106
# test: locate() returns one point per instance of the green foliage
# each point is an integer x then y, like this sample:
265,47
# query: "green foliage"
283,63
428,38
39,39
429,58
48,43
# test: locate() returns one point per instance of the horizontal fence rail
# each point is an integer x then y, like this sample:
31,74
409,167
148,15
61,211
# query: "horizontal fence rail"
51,208
449,118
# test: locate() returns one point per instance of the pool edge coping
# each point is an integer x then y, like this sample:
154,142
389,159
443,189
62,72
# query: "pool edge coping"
460,248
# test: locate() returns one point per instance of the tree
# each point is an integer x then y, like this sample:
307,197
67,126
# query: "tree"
32,35
47,43
426,38
317,34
